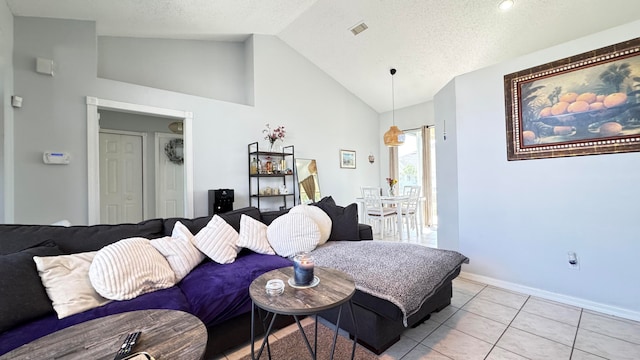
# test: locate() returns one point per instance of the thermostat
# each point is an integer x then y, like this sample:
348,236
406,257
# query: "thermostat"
55,158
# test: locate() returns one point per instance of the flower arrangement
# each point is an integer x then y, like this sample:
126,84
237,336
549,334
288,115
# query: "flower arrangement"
392,183
275,134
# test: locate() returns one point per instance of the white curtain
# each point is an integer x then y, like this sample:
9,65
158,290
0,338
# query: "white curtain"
427,187
394,173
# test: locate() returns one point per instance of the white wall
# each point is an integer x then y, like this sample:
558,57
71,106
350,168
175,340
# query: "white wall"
6,114
516,220
321,117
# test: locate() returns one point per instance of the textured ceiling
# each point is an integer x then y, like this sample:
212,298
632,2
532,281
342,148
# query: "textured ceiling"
429,42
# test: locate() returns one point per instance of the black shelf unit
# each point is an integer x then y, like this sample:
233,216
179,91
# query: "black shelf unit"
278,176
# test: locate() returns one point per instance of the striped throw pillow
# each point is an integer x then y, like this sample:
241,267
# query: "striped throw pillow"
319,216
218,240
180,253
129,268
293,233
253,236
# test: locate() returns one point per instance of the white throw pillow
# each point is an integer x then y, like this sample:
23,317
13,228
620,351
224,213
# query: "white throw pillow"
293,233
129,268
218,240
319,216
253,236
66,280
180,253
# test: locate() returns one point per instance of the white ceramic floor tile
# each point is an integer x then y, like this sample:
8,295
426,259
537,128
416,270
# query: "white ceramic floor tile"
420,332
476,326
491,310
443,314
532,346
605,346
469,286
611,326
547,328
422,352
456,344
399,349
553,310
503,297
632,322
581,355
460,297
502,354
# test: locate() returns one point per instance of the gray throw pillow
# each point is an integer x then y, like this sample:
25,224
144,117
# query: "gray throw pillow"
344,220
22,295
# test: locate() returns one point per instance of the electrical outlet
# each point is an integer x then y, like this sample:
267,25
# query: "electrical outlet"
573,260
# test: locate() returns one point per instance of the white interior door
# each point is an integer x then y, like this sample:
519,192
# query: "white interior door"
121,180
169,181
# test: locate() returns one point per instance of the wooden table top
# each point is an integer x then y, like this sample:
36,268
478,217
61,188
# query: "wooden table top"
166,334
335,288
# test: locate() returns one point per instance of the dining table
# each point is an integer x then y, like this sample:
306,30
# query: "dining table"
392,201
396,201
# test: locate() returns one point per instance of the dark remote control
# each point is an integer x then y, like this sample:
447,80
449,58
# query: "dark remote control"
127,345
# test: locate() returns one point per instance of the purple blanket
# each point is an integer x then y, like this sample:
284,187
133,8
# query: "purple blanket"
212,292
219,292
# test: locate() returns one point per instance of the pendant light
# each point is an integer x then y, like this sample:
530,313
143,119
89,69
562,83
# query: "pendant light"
394,136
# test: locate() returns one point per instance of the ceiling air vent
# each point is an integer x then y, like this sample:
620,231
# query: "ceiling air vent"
359,28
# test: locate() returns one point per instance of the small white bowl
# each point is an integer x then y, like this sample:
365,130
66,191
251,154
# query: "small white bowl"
274,287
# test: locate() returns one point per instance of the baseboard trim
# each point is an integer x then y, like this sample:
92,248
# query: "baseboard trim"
564,299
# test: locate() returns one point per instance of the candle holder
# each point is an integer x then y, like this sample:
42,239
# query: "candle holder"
303,269
274,287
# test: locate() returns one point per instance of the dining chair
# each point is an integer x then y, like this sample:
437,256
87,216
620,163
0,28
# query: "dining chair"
374,212
409,208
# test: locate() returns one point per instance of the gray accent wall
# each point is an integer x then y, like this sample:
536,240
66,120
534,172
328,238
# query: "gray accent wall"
53,118
516,220
6,114
320,115
211,69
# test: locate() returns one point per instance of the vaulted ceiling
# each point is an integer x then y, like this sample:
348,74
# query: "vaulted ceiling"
429,42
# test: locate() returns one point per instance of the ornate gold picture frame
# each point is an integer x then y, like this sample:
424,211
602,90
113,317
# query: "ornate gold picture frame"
582,105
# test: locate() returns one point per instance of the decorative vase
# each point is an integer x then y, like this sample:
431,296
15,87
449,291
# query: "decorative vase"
392,191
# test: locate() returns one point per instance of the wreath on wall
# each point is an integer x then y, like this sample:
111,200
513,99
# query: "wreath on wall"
174,151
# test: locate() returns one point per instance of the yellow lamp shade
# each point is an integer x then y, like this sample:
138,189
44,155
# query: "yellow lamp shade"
393,137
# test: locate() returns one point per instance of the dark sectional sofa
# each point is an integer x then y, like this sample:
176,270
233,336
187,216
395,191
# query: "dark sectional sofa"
217,294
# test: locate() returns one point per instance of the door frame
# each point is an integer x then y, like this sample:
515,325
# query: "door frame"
93,165
157,137
145,198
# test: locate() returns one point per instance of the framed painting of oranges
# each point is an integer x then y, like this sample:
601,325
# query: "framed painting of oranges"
582,105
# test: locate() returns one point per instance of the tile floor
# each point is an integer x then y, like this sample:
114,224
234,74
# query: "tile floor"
490,323
486,322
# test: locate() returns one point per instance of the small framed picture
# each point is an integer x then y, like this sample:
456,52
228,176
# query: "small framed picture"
347,159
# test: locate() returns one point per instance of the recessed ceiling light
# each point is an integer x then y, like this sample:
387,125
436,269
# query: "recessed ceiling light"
505,5
359,28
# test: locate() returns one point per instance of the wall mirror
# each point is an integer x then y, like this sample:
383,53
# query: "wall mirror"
308,185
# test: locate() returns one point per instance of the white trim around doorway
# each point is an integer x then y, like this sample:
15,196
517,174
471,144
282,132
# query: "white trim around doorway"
93,166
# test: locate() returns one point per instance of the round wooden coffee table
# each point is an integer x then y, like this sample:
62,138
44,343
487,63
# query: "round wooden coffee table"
165,334
336,288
